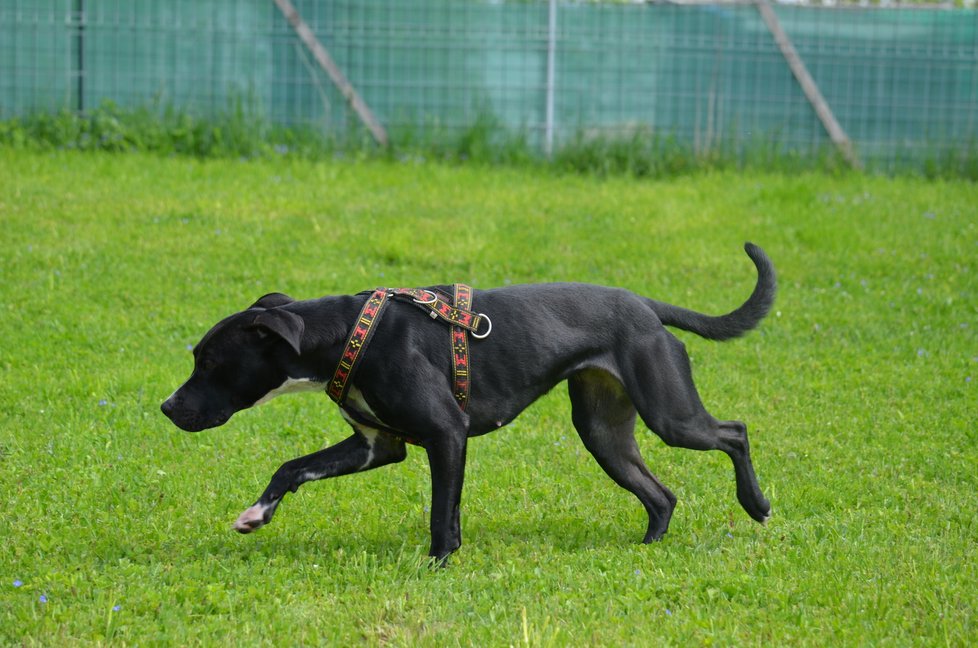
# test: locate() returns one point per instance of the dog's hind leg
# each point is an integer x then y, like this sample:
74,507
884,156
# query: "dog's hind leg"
605,418
363,450
733,441
659,381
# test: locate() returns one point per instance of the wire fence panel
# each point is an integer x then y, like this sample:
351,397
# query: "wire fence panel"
903,83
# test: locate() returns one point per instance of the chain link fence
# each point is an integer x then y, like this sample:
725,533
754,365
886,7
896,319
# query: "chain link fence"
902,83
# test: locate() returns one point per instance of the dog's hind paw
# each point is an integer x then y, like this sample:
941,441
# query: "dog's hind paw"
251,520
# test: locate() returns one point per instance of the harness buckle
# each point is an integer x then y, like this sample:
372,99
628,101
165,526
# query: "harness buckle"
488,330
433,299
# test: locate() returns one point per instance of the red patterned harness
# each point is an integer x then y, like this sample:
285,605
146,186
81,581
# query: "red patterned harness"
455,310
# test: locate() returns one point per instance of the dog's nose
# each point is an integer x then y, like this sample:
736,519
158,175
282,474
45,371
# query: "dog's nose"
167,408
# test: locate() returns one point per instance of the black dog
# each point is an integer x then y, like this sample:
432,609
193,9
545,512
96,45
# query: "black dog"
609,344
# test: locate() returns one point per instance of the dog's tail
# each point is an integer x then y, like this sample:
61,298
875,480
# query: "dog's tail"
735,323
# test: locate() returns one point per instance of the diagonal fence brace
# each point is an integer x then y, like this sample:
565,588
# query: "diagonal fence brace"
329,66
808,85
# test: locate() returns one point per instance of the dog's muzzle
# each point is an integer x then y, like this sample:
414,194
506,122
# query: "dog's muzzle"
188,420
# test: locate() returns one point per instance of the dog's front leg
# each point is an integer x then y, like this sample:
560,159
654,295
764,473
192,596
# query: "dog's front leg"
446,457
362,451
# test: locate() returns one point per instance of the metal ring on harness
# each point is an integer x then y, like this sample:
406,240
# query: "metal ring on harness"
488,331
433,299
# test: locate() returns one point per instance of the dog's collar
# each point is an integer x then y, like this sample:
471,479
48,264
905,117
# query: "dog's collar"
455,311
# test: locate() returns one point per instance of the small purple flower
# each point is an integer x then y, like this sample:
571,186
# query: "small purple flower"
967,379
43,598
638,572
668,612
729,535
103,403
116,608
18,583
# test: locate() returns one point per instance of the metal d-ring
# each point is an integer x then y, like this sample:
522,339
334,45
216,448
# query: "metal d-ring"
488,331
433,299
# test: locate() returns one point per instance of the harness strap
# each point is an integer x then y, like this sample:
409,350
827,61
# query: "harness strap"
439,308
360,336
460,348
458,314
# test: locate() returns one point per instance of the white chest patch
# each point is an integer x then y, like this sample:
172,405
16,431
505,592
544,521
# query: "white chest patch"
292,386
356,399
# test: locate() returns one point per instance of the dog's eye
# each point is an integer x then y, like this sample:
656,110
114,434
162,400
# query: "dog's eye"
206,363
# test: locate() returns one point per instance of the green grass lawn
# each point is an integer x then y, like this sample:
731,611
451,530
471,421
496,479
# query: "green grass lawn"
859,390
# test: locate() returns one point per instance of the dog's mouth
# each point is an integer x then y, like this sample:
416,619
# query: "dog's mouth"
192,421
200,426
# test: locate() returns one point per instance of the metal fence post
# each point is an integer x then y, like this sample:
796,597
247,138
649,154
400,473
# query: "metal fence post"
77,22
548,145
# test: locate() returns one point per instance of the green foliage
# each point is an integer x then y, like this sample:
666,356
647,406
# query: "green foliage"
859,392
641,154
236,132
485,142
241,132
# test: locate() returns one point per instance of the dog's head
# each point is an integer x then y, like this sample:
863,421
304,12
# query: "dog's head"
239,362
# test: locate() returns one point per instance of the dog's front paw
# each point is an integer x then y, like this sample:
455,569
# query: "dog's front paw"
253,518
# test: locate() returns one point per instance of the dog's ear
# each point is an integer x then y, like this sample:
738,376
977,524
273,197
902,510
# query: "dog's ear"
283,323
271,300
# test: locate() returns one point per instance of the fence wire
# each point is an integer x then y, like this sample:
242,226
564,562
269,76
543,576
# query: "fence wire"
903,83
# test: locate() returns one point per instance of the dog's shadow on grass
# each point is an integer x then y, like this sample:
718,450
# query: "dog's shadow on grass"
315,545
558,533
